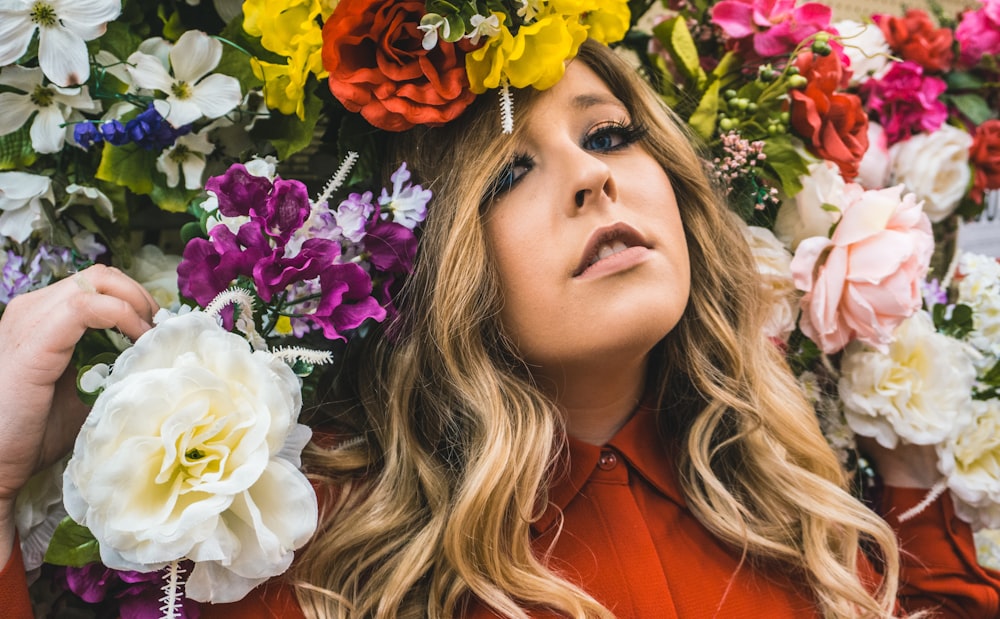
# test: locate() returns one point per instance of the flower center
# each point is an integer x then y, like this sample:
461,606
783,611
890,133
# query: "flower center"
42,96
194,454
180,90
180,153
44,15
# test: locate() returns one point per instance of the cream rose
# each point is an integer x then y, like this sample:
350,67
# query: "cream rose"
808,213
865,46
864,280
775,266
191,451
970,461
935,166
157,272
917,391
979,288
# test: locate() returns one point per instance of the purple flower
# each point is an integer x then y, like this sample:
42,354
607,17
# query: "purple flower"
113,132
391,248
933,293
276,272
137,593
151,131
13,279
407,205
284,211
209,266
87,135
238,190
352,215
906,101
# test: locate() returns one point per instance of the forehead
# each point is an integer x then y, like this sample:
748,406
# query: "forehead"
579,90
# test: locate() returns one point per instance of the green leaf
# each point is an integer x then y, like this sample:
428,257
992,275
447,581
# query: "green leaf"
676,38
706,115
288,134
192,230
72,545
961,80
120,39
973,106
237,50
171,199
128,166
15,150
786,163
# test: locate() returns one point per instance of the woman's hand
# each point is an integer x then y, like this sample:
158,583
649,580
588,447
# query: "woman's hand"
40,413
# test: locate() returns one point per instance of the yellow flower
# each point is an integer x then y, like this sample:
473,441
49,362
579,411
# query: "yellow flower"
536,56
285,84
607,20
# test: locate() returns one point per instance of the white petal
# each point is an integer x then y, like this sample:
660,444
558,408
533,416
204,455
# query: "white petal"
177,112
22,78
21,186
16,30
47,132
18,224
166,164
193,167
87,17
16,110
62,55
217,94
211,582
194,55
148,72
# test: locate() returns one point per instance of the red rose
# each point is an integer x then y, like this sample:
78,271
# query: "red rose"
378,67
985,158
915,37
833,124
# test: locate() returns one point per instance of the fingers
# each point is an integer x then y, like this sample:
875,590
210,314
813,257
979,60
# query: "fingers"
118,301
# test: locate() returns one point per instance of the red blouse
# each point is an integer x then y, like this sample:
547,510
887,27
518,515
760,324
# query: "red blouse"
629,540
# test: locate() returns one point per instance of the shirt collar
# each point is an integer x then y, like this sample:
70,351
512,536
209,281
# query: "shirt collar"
638,441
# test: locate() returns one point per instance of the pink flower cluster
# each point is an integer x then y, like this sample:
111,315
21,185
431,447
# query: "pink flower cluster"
861,283
770,27
905,100
979,33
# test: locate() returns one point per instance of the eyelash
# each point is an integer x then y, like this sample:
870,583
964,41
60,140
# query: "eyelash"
629,132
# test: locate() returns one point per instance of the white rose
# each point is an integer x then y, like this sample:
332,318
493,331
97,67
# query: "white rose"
866,47
804,215
157,272
988,548
917,391
191,451
979,288
969,461
774,263
876,165
935,166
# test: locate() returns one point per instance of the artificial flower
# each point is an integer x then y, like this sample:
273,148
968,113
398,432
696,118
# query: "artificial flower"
979,288
978,34
875,168
865,47
191,92
831,122
63,28
90,196
915,37
809,213
861,283
353,214
916,389
186,157
770,27
157,273
535,56
210,265
209,471
984,155
607,21
38,509
934,166
970,461
138,593
21,196
774,264
394,82
52,107
407,205
905,100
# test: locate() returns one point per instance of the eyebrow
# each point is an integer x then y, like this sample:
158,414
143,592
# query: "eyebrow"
585,101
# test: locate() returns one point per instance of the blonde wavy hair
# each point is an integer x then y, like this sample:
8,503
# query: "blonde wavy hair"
434,507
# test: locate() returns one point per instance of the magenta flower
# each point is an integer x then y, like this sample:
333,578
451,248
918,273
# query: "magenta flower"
209,266
238,191
137,593
770,27
274,273
906,101
978,34
391,248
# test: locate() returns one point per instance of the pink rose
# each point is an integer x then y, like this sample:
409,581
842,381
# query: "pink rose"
770,27
865,280
905,101
979,33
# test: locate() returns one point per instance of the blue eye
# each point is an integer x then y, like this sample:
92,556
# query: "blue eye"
613,136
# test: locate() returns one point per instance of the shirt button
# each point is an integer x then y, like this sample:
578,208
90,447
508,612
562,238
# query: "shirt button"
608,460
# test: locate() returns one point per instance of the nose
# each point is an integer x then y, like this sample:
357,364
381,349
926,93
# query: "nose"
593,180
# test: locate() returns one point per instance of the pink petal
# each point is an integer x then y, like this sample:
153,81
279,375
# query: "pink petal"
734,18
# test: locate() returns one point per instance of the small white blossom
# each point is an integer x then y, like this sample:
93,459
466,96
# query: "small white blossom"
483,26
92,196
408,203
186,156
866,48
63,27
430,24
21,196
52,107
191,91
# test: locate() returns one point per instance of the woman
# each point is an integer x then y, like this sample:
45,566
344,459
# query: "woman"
574,415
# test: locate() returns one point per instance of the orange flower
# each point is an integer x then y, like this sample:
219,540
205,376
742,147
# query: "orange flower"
985,157
915,37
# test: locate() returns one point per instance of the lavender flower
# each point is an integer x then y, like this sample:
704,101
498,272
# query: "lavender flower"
407,205
352,215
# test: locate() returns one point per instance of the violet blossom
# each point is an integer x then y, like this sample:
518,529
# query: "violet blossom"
137,593
407,205
906,101
352,215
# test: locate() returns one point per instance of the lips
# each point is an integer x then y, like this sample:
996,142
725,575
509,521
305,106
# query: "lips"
606,242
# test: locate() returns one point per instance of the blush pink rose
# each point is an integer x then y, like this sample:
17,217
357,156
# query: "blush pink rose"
865,280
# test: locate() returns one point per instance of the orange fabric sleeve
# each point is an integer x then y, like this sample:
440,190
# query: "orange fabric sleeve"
14,598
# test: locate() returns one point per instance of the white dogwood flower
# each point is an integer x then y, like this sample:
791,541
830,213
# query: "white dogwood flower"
63,27
187,157
21,197
52,107
191,91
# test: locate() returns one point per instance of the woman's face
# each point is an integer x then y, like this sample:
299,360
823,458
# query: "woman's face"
586,233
